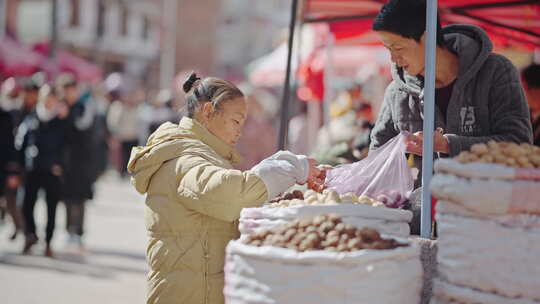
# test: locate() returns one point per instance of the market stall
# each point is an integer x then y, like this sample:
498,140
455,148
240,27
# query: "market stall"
342,244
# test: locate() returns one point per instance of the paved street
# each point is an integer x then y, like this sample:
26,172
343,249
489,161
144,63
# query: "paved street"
112,271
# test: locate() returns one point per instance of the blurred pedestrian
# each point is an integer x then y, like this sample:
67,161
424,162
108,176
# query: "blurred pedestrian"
9,179
123,122
79,157
18,109
153,115
10,95
101,131
531,83
40,142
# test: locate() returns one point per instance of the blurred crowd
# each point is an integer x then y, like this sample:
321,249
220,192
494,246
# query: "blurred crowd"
59,136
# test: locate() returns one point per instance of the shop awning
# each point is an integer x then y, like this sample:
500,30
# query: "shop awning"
18,60
67,62
507,22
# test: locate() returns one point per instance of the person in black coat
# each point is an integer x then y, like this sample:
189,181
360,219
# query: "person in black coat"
531,82
40,142
9,179
81,170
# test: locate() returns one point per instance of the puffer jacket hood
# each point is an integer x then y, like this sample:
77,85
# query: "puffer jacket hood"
167,143
469,42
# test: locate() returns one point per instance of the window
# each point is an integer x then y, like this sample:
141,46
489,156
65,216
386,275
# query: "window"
75,13
101,19
146,28
124,18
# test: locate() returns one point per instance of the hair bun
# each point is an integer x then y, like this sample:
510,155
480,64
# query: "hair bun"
190,81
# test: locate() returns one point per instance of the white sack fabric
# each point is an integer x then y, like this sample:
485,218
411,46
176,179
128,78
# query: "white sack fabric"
485,170
495,254
488,196
277,275
447,293
385,220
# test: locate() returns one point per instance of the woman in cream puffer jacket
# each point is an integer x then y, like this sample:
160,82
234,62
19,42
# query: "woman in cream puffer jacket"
194,196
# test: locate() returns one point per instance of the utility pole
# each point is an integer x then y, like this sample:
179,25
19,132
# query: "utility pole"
168,51
54,30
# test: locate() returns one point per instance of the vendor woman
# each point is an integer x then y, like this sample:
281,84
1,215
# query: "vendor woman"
194,196
478,93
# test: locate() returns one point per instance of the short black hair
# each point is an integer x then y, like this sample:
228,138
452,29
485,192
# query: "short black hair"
406,18
531,76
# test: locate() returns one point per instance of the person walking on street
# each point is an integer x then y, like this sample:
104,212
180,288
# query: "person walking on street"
80,162
194,196
9,179
40,142
123,122
17,112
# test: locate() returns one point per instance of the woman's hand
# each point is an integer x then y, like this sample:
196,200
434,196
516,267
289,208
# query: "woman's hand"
317,175
415,142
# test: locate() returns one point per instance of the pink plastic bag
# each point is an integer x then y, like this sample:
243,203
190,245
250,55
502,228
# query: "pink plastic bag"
383,175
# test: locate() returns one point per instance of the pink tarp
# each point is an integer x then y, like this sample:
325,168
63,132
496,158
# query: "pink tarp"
17,60
68,62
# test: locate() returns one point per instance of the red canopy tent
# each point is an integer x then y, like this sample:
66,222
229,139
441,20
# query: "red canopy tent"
68,62
17,60
505,21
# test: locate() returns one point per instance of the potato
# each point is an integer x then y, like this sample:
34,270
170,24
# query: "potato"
334,218
311,200
349,197
369,235
487,158
344,238
479,149
342,248
354,244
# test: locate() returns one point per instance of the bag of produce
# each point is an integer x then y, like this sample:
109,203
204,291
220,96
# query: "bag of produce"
447,293
386,220
494,254
495,160
383,175
322,260
488,196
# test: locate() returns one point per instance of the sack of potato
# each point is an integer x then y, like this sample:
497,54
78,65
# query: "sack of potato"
322,260
447,293
386,220
488,221
507,161
493,254
488,196
326,197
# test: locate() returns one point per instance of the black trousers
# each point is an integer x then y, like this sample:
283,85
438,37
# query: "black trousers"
75,216
35,180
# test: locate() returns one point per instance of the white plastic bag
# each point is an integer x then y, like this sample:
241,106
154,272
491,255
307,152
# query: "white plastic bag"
276,275
383,175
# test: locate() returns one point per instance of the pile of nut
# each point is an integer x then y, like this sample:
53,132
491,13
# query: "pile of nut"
323,232
327,197
504,153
